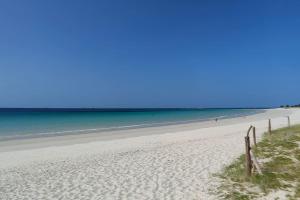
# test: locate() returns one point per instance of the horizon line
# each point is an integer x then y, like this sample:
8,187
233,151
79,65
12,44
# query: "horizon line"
132,108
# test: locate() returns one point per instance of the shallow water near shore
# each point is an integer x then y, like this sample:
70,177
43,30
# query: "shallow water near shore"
20,123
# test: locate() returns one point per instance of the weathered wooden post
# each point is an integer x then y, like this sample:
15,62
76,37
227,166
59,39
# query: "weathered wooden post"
255,162
254,136
289,121
248,156
270,128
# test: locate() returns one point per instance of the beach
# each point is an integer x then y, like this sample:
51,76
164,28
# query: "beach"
165,162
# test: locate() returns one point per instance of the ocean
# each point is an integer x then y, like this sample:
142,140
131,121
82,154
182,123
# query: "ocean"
23,123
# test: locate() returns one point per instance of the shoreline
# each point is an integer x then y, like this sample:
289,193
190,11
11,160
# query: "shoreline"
22,143
172,162
122,128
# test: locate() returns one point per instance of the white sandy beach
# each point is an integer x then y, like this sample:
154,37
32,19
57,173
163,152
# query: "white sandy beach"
171,162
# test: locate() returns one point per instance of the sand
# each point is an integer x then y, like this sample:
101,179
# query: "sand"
173,162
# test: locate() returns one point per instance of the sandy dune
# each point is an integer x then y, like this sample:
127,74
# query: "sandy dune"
174,163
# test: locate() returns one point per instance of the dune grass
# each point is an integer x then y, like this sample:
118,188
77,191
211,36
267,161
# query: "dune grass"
279,154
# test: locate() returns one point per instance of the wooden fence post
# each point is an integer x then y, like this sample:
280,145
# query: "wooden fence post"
270,127
289,121
248,156
255,162
254,136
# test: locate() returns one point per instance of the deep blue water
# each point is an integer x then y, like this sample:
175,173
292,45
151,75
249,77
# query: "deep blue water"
42,122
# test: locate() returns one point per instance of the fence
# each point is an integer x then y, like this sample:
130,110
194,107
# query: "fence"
250,159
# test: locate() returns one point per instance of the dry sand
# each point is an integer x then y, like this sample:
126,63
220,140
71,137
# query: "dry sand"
171,162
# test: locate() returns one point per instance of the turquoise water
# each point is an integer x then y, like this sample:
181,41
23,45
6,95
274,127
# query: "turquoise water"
15,123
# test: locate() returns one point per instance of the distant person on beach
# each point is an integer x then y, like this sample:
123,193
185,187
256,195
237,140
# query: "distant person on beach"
216,119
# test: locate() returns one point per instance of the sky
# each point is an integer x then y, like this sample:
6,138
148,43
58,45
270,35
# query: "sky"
156,53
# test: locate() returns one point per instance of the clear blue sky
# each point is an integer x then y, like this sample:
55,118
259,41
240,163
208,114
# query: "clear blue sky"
117,53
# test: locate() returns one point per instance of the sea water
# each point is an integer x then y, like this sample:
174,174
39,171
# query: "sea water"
20,123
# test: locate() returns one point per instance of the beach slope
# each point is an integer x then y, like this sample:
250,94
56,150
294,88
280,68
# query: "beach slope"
174,162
